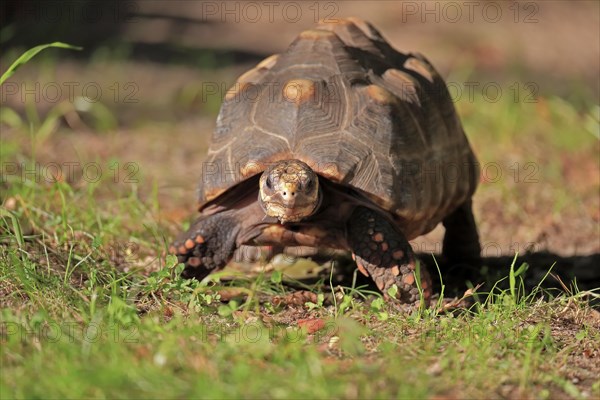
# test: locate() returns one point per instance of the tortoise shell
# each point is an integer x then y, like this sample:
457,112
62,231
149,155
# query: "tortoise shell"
359,113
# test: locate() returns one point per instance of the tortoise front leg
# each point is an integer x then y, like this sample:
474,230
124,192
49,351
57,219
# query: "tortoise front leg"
382,252
208,245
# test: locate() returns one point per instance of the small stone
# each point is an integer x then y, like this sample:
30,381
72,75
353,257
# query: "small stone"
311,324
10,203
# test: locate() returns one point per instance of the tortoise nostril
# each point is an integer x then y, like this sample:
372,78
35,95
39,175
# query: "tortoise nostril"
284,193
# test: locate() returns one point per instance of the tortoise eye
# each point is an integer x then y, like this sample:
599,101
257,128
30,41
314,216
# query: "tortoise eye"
309,184
269,183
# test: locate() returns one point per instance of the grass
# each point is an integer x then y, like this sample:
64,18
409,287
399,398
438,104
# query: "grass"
124,335
92,308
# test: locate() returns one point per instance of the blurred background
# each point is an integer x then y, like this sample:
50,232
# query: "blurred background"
146,88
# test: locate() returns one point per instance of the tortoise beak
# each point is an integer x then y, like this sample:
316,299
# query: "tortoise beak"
288,195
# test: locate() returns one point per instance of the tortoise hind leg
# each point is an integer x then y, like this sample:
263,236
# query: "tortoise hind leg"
461,240
382,252
208,245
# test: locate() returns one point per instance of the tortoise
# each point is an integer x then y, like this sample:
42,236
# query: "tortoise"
340,142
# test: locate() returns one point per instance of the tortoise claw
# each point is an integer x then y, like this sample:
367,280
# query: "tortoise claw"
208,245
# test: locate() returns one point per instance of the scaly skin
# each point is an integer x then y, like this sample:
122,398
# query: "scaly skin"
384,254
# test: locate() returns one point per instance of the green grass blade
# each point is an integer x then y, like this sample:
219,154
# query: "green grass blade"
17,231
29,54
512,278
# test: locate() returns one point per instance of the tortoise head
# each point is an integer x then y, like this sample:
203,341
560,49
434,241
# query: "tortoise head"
289,191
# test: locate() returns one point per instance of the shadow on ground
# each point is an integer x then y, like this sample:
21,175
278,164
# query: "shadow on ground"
548,270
